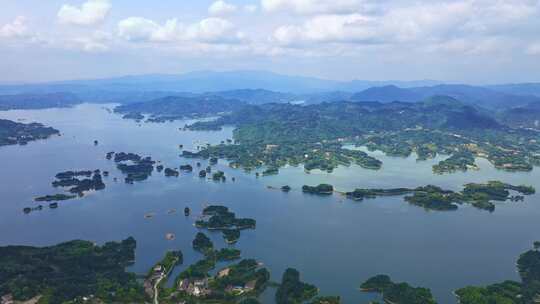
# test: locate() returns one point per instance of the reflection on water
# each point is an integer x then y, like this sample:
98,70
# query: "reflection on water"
335,243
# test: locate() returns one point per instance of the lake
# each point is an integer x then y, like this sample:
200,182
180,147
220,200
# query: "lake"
335,243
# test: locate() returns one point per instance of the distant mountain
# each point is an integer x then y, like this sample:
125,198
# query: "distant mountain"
206,81
477,96
38,101
256,96
518,88
387,94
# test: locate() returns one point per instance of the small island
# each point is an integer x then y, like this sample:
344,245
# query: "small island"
322,189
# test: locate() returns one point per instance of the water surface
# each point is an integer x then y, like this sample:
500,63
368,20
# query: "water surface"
335,243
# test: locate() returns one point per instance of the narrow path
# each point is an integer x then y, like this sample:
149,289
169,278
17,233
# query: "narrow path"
162,276
156,295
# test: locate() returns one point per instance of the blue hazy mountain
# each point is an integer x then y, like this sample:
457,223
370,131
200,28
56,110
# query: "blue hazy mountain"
476,95
387,94
206,81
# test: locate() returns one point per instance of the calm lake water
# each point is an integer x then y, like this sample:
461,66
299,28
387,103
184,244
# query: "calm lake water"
335,243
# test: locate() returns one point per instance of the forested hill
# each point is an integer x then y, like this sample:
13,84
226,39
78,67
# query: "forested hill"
12,133
174,107
37,101
342,119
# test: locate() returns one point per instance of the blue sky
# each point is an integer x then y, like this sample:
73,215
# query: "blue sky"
473,41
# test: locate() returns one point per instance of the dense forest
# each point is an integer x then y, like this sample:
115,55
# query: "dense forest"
12,133
70,270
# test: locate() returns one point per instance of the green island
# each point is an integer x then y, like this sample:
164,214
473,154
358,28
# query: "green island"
221,218
401,293
54,197
509,292
14,133
292,290
431,197
67,272
322,189
318,136
135,167
79,186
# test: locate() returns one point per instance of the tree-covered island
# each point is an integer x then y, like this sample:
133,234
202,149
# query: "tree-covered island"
14,133
401,293
221,218
431,197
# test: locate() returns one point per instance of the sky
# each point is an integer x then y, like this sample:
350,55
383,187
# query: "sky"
469,41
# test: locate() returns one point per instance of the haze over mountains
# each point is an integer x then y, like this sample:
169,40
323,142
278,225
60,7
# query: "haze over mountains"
263,87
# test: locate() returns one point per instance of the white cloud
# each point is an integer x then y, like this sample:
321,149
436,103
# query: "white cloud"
328,28
221,8
209,30
16,29
313,6
442,25
91,12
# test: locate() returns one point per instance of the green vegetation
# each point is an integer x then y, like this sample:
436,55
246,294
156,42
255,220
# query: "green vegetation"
401,293
326,300
459,161
69,271
322,189
176,108
202,243
509,292
55,197
13,133
231,236
220,218
79,186
294,291
227,254
136,168
274,135
435,198
247,275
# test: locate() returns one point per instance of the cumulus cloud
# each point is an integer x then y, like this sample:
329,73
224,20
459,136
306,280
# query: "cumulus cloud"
16,29
209,30
221,8
90,13
452,25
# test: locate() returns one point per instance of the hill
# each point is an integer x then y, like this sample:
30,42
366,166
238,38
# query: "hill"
175,107
38,101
